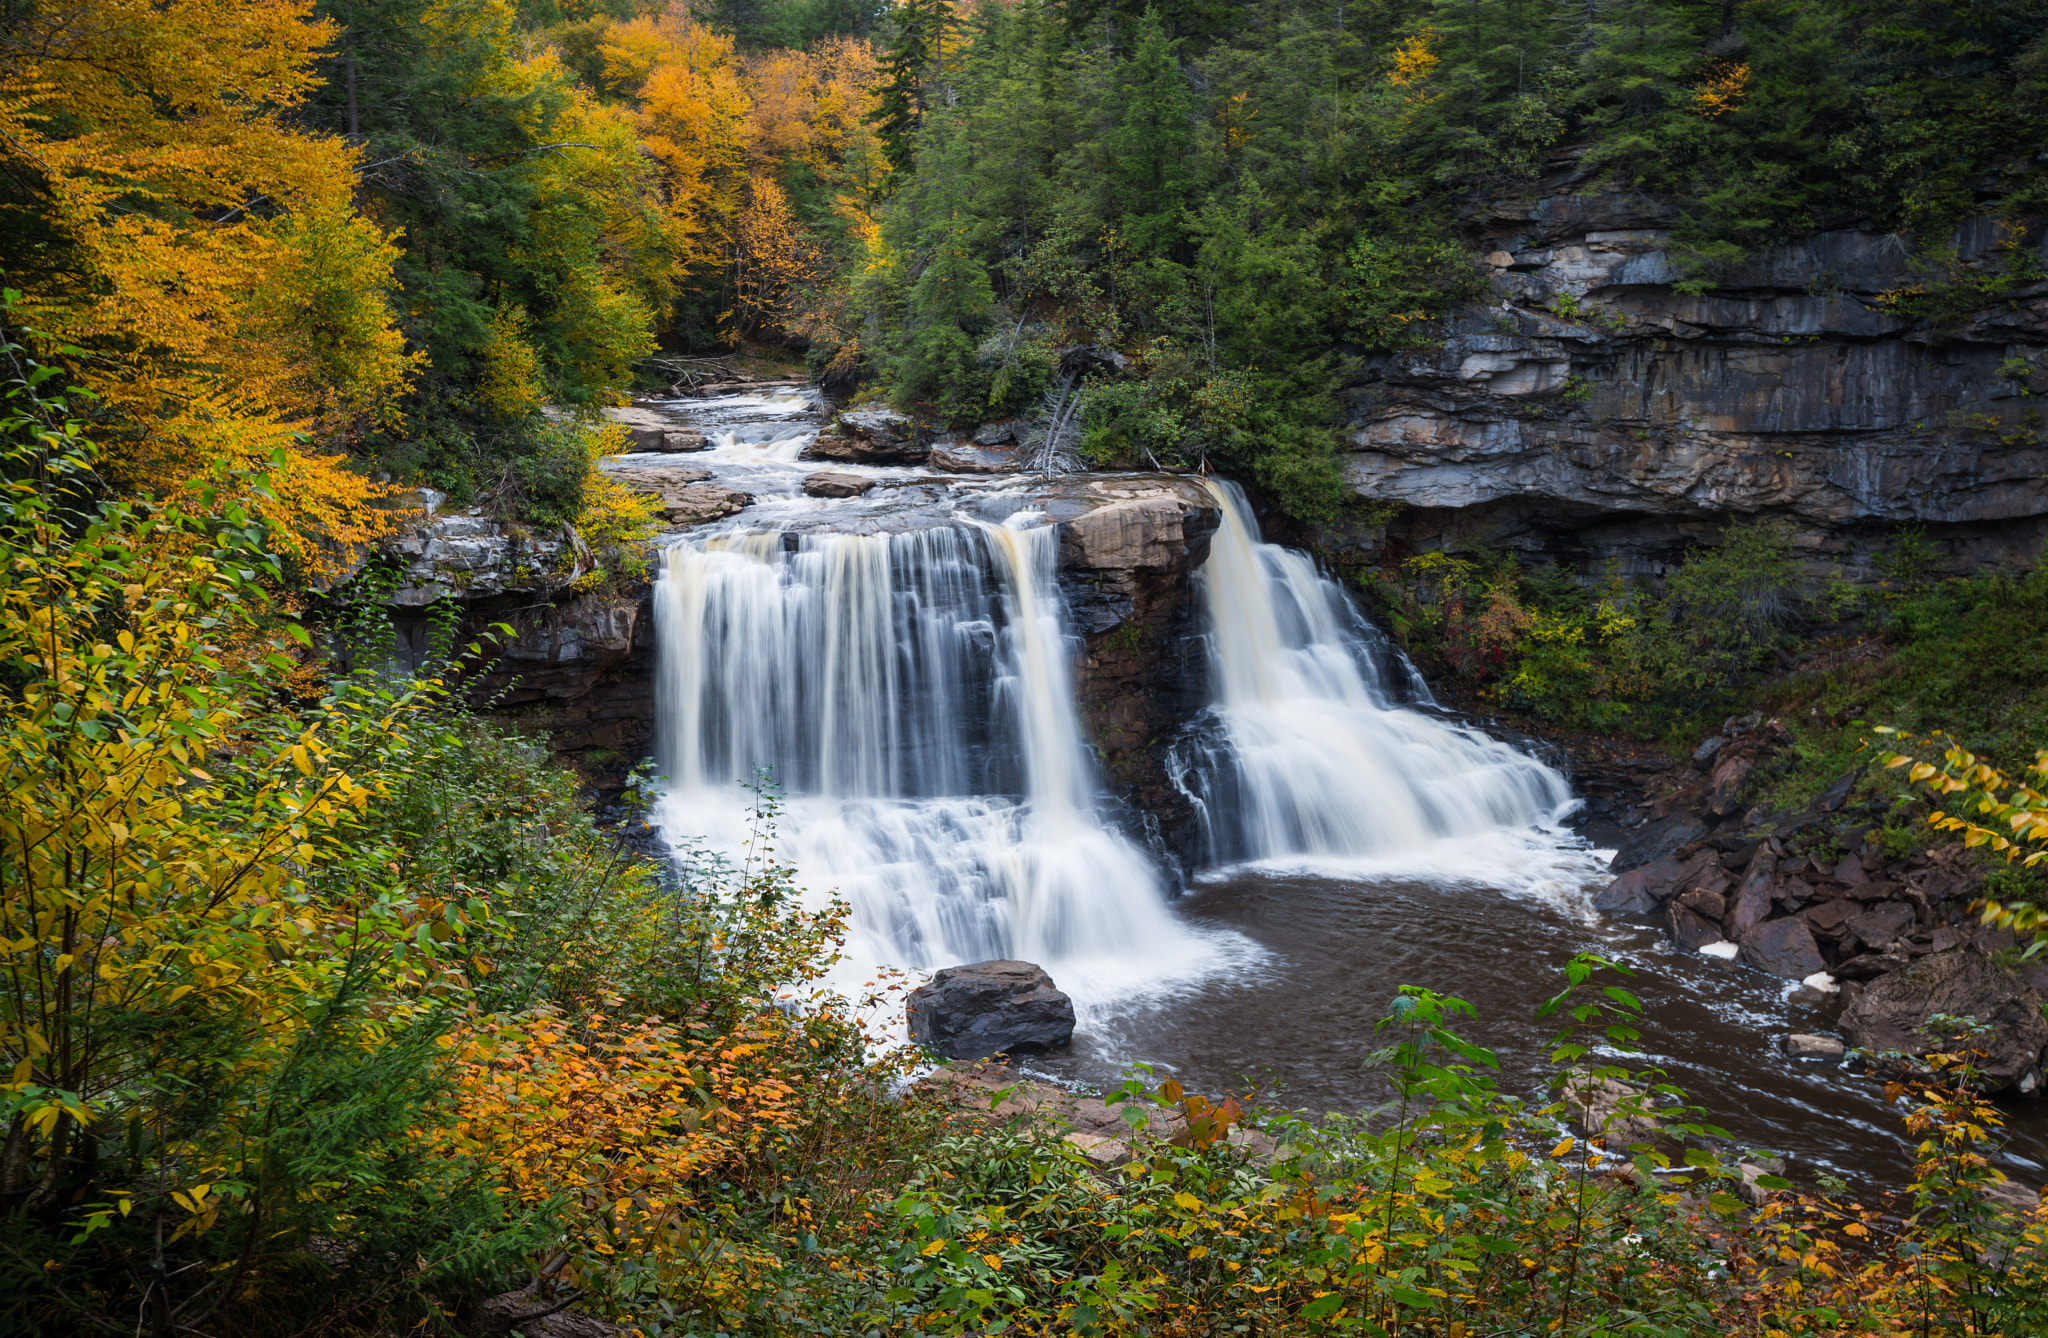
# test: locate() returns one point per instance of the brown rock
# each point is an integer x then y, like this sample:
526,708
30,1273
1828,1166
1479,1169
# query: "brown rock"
1784,948
1708,905
829,483
1890,1012
1690,930
1881,925
1753,901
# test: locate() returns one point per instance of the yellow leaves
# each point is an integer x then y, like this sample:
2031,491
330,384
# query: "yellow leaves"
933,1247
1188,1201
1722,89
1415,60
1564,1145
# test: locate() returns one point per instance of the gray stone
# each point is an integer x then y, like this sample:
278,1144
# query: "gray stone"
1611,1110
957,457
1887,1016
870,437
990,1008
1784,948
1801,1045
827,483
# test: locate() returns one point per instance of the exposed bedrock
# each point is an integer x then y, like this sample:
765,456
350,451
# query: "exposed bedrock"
1591,411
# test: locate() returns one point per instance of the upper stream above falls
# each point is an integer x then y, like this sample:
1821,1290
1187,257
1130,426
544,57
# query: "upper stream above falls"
1015,716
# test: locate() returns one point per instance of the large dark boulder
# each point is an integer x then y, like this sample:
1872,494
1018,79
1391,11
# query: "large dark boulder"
1752,903
1641,891
1890,1011
990,1008
1657,840
1783,948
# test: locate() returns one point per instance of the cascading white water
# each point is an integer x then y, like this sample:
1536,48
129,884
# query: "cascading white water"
911,692
1304,752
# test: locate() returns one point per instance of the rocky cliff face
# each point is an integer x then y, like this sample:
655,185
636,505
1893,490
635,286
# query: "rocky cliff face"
1129,550
1591,412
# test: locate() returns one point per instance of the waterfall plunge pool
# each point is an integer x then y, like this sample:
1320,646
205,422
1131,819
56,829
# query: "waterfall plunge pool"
910,686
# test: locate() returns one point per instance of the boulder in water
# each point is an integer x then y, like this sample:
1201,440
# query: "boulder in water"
990,1008
869,437
1889,1013
1785,948
959,457
830,483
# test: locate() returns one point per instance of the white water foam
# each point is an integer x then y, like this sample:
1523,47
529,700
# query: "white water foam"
913,694
1307,761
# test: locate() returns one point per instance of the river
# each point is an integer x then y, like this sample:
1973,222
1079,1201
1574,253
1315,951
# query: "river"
901,665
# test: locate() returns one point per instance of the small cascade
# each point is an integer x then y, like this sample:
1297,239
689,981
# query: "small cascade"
1307,751
911,693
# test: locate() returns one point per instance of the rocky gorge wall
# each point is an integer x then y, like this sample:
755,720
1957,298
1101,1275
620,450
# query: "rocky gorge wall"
1592,412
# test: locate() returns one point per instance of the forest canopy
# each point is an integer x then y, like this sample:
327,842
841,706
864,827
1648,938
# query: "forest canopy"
420,243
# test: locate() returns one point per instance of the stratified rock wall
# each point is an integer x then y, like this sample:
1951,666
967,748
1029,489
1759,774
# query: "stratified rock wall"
1594,413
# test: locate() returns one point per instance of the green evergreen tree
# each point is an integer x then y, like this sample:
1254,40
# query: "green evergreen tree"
915,50
1147,164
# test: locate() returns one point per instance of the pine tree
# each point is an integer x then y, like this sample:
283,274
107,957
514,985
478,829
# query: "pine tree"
922,27
1151,146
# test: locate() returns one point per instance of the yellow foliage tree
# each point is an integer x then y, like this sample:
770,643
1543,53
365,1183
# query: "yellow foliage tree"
207,258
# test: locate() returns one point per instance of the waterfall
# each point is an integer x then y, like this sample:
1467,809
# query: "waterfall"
1306,751
912,694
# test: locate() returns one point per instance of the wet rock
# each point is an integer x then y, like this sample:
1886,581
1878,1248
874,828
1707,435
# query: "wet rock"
1881,925
827,483
1127,534
1870,965
1783,948
667,441
996,434
1800,1045
963,458
869,437
1752,904
700,502
1640,891
989,1008
1690,930
1889,1013
1657,840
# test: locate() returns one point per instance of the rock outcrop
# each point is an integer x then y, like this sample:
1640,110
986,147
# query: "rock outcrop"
870,437
990,1008
1129,548
1591,411
1891,1015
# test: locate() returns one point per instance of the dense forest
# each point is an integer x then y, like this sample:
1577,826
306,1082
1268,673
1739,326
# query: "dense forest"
326,1007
